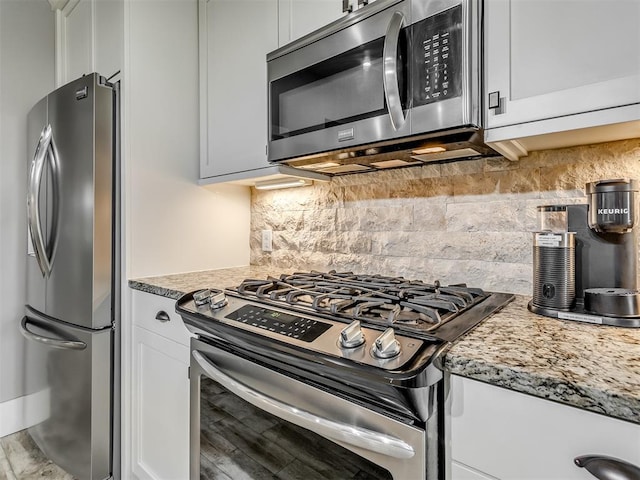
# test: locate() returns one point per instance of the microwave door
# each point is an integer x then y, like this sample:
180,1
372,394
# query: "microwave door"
338,92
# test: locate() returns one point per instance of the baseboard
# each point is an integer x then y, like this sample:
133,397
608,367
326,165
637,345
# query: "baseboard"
23,412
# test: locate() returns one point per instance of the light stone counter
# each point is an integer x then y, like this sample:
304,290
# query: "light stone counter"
592,367
174,286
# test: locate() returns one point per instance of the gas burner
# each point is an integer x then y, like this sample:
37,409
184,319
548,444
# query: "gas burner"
373,299
380,321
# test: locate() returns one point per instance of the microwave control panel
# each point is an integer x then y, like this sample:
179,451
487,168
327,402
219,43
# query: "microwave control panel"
437,57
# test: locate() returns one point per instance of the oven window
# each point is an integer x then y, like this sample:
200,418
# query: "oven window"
342,89
238,440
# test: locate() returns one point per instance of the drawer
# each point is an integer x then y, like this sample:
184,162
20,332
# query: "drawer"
157,314
510,435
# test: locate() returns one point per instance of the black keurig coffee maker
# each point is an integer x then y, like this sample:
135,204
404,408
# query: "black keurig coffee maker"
585,257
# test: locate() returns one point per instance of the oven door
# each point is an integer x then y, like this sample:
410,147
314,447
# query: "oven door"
247,417
348,88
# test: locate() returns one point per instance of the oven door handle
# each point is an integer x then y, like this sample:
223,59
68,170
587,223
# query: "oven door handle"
356,436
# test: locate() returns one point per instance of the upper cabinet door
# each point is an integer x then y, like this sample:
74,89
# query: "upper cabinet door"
89,38
296,18
235,37
77,32
553,58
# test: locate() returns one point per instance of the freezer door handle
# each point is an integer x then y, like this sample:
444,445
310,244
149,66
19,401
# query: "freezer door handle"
46,151
68,344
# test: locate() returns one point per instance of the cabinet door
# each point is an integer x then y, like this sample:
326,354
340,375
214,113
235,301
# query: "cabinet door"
160,407
463,472
507,435
296,18
553,58
109,37
235,37
90,37
77,29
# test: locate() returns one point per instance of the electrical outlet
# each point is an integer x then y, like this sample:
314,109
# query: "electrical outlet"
267,239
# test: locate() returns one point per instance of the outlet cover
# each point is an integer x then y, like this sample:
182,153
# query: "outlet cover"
267,240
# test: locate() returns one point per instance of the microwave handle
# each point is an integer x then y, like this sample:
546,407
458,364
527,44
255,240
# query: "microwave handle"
390,71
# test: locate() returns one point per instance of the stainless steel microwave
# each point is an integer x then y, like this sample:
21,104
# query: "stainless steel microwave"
395,83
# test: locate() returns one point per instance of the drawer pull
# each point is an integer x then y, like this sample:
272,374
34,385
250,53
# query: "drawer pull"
608,468
162,316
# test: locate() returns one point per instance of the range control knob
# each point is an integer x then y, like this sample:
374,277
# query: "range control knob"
202,297
215,298
386,345
351,336
218,299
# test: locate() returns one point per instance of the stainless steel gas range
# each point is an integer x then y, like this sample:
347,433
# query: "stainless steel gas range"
338,373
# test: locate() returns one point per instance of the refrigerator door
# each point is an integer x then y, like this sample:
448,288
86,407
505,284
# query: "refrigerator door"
36,200
79,286
71,365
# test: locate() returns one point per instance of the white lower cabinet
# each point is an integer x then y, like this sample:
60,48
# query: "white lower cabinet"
160,407
501,434
464,472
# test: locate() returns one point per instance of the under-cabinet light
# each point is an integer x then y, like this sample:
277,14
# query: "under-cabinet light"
282,183
423,151
317,166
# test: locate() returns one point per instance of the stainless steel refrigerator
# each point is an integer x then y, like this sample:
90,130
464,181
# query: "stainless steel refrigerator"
72,308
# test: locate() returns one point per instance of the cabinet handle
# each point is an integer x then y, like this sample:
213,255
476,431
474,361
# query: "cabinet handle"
162,316
608,468
494,101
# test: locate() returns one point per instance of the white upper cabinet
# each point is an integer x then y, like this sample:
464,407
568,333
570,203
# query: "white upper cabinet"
235,37
296,18
78,40
89,38
561,66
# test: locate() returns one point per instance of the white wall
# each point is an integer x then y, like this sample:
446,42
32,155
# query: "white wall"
26,75
173,225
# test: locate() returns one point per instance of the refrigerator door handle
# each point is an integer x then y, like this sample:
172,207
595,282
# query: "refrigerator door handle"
68,344
45,151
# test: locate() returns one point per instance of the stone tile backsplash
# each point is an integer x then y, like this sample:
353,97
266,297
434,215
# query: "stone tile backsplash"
467,221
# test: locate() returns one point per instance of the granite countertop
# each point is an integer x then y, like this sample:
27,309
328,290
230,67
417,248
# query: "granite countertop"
592,367
174,286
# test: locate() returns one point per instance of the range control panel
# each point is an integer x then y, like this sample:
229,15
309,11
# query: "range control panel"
359,343
437,57
300,328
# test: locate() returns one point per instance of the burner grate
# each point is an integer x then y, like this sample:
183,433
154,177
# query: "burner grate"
374,299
